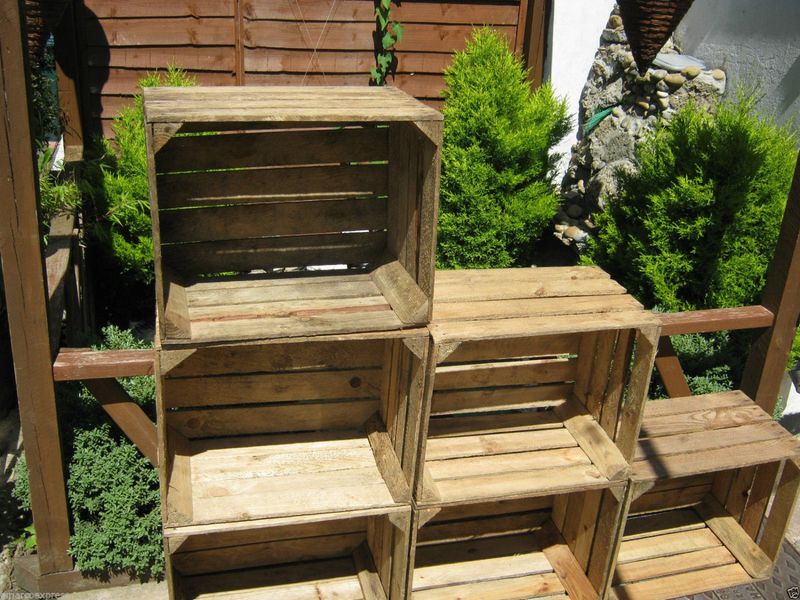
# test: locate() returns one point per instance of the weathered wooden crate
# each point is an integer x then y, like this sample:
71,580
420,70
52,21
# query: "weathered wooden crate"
714,482
352,556
284,430
527,373
291,211
550,546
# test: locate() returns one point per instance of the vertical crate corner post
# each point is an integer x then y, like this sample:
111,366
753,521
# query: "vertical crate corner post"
291,211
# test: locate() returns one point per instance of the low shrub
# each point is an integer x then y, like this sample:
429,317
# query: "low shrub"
497,192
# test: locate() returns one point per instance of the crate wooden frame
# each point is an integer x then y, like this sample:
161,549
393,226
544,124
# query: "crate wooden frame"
500,389
288,428
255,180
339,555
696,533
553,546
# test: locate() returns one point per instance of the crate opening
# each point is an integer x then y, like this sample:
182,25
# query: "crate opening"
293,231
534,547
507,420
241,447
342,557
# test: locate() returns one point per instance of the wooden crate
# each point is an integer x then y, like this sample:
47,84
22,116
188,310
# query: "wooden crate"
520,405
354,556
291,211
703,532
284,430
550,546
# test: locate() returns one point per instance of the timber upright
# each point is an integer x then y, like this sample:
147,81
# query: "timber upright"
294,233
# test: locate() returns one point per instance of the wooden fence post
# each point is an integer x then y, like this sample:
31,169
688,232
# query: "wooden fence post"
69,86
766,363
26,299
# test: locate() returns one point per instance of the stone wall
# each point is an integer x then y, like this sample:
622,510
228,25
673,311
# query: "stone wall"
634,104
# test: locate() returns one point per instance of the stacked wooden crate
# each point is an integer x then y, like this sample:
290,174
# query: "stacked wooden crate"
536,381
294,235
330,429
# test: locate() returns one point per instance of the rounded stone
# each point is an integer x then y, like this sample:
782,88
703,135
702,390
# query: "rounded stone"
691,72
560,227
574,211
575,233
662,86
615,22
662,94
581,186
718,74
675,79
658,74
643,104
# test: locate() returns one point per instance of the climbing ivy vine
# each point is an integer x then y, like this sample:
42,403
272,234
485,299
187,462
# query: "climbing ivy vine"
388,34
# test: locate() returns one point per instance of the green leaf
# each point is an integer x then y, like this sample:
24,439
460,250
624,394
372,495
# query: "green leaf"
383,20
387,41
384,60
386,4
376,75
398,31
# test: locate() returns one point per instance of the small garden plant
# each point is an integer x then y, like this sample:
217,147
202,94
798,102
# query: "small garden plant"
497,192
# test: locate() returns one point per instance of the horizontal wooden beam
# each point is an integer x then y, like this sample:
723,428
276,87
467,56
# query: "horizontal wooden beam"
81,364
715,319
128,415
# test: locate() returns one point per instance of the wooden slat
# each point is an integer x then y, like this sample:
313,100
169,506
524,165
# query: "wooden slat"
26,301
677,406
492,423
715,319
229,187
512,464
387,461
664,566
675,498
272,419
297,60
502,309
182,31
367,576
530,586
684,584
784,501
666,545
358,10
245,255
74,364
469,290
128,415
111,9
702,419
758,499
358,36
275,387
276,148
669,367
524,372
203,58
491,526
499,398
513,348
498,443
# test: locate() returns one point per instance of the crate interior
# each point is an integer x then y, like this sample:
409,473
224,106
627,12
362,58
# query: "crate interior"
702,532
279,230
342,558
524,416
275,430
527,548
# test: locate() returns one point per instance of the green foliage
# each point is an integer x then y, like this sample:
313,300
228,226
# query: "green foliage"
697,225
497,192
59,192
121,205
22,489
388,34
44,97
114,499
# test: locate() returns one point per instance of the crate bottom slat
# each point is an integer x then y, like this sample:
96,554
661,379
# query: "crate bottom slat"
518,455
319,580
250,478
674,553
708,433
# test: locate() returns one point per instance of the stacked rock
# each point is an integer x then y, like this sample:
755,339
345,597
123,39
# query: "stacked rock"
634,103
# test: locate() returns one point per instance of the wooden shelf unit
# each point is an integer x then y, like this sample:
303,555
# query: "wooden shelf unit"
549,546
288,429
698,533
519,405
355,556
257,191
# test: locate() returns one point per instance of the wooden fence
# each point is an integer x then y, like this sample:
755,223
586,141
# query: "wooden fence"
284,42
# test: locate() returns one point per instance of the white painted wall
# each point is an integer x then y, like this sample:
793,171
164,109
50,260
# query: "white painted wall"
575,29
753,42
